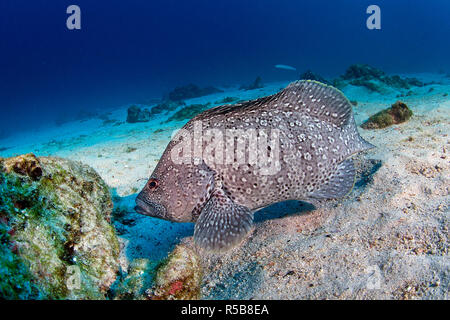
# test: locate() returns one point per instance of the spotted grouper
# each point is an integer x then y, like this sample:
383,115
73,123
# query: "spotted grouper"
231,160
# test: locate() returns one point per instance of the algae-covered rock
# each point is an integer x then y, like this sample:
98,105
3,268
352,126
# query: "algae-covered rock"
179,276
357,71
397,113
166,106
56,239
363,75
188,112
136,114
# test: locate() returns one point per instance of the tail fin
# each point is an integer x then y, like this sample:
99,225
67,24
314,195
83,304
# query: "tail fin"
365,145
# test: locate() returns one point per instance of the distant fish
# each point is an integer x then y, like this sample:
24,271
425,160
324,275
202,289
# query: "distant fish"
315,137
285,67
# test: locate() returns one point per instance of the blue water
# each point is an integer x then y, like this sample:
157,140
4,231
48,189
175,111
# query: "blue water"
132,50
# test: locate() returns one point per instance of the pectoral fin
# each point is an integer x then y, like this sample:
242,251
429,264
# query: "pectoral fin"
222,223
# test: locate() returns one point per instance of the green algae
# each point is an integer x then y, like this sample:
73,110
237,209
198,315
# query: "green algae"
17,281
52,223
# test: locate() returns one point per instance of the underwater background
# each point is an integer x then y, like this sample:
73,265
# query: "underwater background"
127,51
86,114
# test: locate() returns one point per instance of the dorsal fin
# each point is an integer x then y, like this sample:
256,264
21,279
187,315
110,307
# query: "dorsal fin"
228,108
318,100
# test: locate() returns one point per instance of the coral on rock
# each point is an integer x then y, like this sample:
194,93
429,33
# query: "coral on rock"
56,239
179,277
397,113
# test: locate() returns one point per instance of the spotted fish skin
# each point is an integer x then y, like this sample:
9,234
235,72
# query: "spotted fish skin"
317,137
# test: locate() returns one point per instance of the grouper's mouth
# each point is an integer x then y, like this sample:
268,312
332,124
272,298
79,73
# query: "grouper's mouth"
149,209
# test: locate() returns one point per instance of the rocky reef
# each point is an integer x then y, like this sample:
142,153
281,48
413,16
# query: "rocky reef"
357,71
179,277
257,84
188,112
56,239
397,113
364,75
165,107
136,114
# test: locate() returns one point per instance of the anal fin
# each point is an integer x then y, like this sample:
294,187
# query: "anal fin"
340,183
222,223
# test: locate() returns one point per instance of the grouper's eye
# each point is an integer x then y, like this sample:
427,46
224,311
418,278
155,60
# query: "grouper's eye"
153,184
